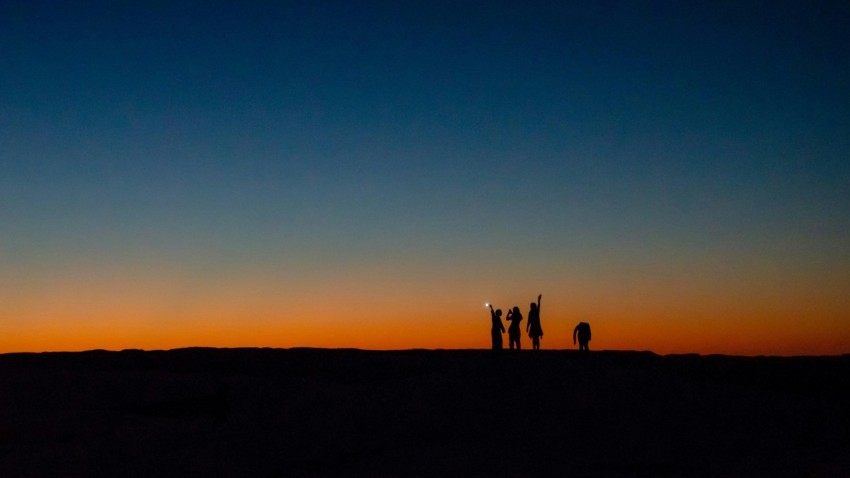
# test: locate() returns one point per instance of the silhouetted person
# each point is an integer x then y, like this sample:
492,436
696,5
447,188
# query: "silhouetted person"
583,332
535,331
514,333
497,329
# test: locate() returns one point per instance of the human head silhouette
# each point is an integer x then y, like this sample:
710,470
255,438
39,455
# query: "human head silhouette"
498,312
516,309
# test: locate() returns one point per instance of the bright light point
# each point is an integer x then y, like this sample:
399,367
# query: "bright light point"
487,304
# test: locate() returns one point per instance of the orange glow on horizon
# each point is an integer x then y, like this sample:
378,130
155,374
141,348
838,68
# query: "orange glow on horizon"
163,311
662,336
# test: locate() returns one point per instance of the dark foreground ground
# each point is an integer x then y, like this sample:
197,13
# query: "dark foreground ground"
269,412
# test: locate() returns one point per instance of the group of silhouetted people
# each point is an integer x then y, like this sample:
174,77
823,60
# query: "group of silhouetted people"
532,327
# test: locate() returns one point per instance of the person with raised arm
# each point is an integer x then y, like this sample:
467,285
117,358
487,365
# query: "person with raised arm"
514,333
532,327
497,328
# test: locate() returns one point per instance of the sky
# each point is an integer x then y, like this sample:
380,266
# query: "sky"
369,174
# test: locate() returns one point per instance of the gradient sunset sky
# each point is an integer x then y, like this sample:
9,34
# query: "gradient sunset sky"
369,174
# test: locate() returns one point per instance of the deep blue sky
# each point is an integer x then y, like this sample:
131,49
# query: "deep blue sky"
535,144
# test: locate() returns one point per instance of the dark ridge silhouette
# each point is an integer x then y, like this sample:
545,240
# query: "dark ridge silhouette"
315,412
211,405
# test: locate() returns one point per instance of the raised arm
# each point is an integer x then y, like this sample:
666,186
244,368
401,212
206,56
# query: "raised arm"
539,296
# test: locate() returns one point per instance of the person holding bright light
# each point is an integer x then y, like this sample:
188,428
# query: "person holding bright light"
532,327
514,333
497,328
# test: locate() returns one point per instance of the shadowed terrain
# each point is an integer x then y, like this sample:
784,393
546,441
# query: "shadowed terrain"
274,412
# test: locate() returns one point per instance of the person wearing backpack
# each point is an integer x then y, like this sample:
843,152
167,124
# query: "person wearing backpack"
583,332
